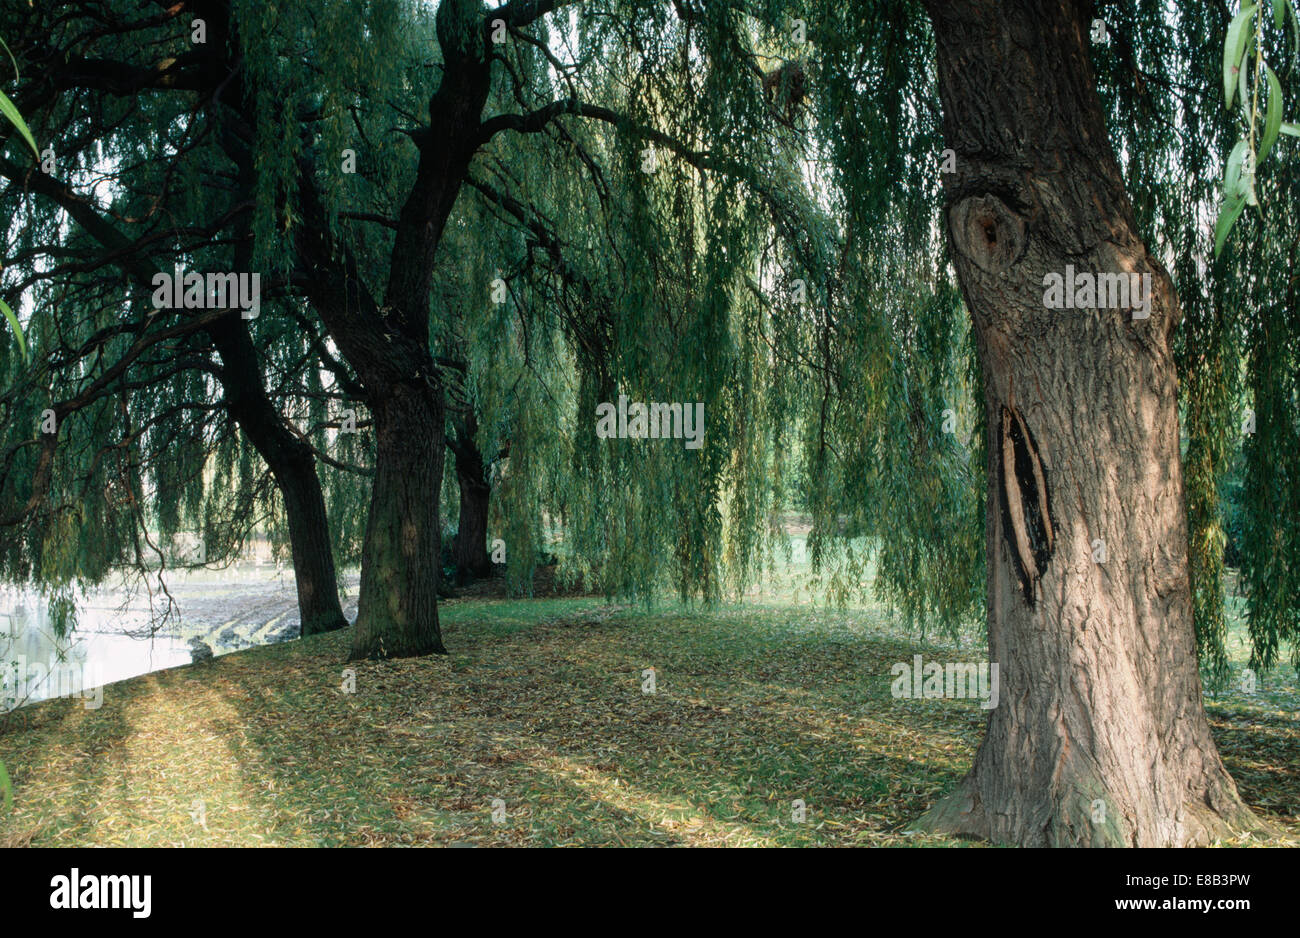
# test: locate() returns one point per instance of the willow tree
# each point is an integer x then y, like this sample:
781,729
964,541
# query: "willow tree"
106,351
1083,398
735,203
1102,737
1255,282
130,442
375,300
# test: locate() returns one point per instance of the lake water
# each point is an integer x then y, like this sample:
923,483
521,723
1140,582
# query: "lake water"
121,634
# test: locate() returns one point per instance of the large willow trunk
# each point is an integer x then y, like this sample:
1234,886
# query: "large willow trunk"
397,609
1101,737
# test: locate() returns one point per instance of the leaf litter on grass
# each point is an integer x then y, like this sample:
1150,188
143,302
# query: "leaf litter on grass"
536,731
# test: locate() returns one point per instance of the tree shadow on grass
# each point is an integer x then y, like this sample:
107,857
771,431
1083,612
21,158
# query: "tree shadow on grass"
62,759
554,724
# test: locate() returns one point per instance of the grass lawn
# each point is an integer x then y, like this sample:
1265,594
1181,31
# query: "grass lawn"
540,709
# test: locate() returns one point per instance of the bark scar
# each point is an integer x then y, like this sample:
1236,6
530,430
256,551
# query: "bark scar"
1027,521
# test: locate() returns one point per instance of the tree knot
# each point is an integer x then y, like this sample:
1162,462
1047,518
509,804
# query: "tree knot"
987,232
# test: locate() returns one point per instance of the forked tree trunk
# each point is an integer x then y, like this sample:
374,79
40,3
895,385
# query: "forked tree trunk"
470,549
397,611
1100,737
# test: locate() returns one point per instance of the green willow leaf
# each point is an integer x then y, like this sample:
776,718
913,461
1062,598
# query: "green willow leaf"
1228,215
17,327
1291,130
1279,12
5,46
1243,87
8,110
1273,120
1234,48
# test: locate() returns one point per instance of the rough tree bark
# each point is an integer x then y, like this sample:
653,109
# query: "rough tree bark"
470,549
1101,737
397,611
